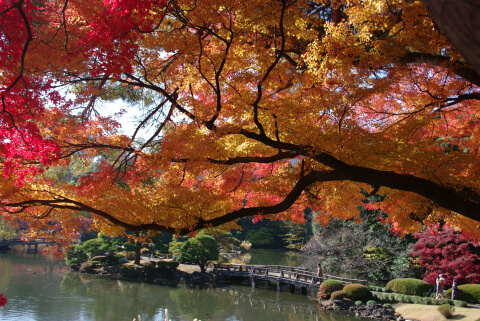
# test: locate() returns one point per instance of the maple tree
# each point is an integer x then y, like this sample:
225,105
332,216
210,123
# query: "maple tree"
253,108
447,252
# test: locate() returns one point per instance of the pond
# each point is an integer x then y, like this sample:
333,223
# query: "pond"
42,289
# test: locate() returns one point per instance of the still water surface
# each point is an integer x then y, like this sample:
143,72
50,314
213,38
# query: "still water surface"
39,289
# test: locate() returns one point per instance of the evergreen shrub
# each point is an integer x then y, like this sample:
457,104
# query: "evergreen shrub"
371,302
467,292
356,291
444,301
338,295
460,303
113,259
409,286
388,306
400,298
429,301
167,268
380,296
358,303
328,287
129,271
446,310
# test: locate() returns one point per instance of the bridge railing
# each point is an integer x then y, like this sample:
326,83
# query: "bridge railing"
297,274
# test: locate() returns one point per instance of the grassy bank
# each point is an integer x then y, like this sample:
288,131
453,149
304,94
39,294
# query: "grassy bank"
420,312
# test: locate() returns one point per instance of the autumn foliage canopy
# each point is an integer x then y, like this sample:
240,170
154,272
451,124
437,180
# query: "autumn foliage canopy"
242,108
449,253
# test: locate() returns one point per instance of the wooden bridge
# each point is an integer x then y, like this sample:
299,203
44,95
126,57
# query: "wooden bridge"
6,243
282,275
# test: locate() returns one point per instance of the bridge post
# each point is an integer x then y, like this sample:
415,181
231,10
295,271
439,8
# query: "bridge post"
279,286
292,288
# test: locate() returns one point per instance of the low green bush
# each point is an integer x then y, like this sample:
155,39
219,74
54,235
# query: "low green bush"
107,259
409,286
382,296
328,287
444,301
371,302
358,303
338,295
388,306
400,298
446,310
467,292
459,303
429,301
129,271
167,268
356,291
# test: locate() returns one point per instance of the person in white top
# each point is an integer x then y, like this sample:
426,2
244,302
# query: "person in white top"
440,284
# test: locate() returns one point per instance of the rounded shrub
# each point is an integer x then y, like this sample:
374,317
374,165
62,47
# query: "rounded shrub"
371,302
467,292
356,291
409,286
358,303
338,295
167,268
388,306
328,287
131,271
446,310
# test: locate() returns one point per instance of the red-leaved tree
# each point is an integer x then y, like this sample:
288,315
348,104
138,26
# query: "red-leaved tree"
3,299
450,253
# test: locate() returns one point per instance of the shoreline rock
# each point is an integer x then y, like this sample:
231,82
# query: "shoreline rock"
373,311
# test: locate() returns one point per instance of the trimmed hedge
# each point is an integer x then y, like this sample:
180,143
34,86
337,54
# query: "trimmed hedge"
338,295
467,292
328,287
409,286
356,291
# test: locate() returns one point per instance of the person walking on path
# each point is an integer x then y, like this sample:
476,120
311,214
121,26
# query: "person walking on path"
454,290
440,283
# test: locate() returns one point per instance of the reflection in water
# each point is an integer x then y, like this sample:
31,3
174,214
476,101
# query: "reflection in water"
42,290
269,257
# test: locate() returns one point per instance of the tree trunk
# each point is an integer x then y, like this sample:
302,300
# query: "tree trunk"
459,21
137,255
